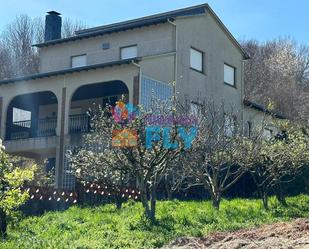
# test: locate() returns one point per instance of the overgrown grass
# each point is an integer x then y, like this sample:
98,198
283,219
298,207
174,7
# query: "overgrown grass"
105,227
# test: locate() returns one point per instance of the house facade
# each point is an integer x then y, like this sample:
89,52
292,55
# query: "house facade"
42,115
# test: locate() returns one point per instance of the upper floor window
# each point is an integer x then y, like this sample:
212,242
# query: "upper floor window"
79,61
128,52
196,60
229,75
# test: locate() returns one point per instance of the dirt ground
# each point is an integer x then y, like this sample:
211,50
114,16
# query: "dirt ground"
283,235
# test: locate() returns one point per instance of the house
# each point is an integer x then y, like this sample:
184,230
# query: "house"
42,115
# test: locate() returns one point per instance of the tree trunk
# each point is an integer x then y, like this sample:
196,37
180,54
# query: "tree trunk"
149,206
153,200
280,195
118,201
168,190
265,200
3,224
216,200
143,189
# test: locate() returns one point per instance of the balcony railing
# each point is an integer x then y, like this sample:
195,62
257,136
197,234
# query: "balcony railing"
79,123
46,127
25,129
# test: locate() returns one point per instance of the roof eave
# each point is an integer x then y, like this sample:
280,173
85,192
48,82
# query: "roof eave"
127,25
261,108
69,71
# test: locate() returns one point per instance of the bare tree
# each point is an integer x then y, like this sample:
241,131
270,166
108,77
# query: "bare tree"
148,160
278,72
69,27
220,153
279,159
17,55
18,38
5,66
96,161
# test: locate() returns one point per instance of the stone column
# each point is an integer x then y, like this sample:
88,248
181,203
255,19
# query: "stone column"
61,144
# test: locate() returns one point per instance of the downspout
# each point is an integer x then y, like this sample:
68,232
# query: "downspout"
140,79
176,56
242,95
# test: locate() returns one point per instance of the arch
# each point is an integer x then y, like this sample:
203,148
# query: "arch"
86,96
32,115
103,88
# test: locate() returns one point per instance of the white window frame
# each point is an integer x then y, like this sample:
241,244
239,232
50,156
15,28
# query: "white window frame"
267,133
229,75
229,126
78,60
21,115
195,109
197,60
131,52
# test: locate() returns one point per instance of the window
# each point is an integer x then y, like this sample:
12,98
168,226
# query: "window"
194,109
267,133
21,117
249,128
79,61
128,52
229,126
229,75
196,60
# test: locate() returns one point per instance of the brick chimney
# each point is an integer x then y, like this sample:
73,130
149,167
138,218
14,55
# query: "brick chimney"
52,26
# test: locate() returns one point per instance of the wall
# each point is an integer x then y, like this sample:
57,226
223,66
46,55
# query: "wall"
71,82
47,111
160,68
203,33
258,120
151,40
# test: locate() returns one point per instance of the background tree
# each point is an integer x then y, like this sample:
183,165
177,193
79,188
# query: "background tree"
96,162
147,164
279,159
17,55
218,157
278,72
11,195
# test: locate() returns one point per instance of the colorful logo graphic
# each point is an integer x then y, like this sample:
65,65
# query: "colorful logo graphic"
123,113
124,138
158,127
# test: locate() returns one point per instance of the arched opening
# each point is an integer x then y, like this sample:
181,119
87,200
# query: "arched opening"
32,115
91,95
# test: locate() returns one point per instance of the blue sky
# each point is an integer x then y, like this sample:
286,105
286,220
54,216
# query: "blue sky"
258,19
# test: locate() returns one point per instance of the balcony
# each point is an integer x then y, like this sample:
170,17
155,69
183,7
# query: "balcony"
47,127
28,129
79,123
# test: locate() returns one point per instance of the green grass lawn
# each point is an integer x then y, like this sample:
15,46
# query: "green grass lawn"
105,227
